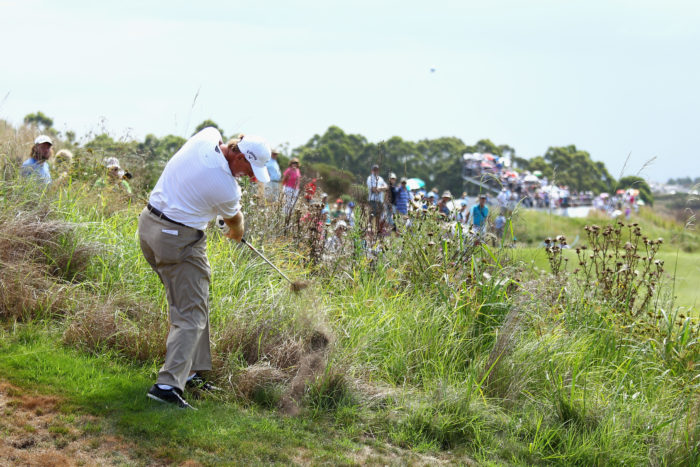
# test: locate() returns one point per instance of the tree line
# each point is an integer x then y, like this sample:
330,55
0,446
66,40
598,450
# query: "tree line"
341,159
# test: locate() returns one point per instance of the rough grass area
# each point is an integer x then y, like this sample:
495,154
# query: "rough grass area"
422,349
96,413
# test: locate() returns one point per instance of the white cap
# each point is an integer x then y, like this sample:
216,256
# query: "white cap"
43,139
111,162
341,223
257,152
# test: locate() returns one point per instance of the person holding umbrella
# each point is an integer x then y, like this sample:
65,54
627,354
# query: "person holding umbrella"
197,184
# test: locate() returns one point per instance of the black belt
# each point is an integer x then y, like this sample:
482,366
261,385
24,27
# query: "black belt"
159,213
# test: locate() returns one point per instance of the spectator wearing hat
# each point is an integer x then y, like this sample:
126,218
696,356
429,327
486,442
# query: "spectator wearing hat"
443,205
272,188
115,176
197,184
336,242
479,213
37,166
376,186
290,183
338,211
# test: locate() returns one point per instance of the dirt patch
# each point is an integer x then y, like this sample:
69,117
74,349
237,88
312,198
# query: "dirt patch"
34,432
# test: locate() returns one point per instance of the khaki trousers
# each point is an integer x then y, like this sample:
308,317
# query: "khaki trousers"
178,255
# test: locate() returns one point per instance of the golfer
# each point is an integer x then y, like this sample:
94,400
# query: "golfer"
197,184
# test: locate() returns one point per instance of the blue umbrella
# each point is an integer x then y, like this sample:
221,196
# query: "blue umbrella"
414,183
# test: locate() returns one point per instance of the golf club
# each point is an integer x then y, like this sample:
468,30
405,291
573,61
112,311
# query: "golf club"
296,286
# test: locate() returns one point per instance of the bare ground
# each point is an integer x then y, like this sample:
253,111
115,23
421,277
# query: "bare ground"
35,432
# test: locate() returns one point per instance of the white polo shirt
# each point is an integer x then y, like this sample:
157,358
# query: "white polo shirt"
196,184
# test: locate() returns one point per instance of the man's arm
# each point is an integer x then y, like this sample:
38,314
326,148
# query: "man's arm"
236,226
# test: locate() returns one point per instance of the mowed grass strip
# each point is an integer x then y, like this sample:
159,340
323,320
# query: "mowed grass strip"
220,432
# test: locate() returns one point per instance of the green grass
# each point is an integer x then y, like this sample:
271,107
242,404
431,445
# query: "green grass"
684,267
531,227
220,432
464,359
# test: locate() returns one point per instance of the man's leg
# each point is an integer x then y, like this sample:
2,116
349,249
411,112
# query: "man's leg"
178,255
188,339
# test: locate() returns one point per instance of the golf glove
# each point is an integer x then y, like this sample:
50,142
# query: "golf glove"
222,225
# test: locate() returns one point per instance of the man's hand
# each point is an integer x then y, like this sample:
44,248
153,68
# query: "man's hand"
236,226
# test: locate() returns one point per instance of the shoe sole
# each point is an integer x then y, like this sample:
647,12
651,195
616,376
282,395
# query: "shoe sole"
156,398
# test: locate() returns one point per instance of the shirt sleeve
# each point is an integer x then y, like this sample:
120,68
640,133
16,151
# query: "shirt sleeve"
228,210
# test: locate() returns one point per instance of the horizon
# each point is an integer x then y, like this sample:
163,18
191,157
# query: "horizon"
615,79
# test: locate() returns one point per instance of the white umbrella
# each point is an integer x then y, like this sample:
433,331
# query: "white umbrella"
414,183
531,179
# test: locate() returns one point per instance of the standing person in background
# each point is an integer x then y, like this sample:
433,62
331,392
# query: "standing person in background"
326,209
499,226
443,206
478,214
38,163
272,188
391,205
290,181
197,184
350,214
115,176
402,198
376,186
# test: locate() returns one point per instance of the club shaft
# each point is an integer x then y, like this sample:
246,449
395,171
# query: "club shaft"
266,260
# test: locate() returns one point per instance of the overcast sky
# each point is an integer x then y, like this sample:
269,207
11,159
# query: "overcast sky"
615,78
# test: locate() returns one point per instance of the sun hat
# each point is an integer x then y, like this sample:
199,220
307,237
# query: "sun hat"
482,196
339,201
341,223
392,175
257,152
447,194
43,139
403,180
111,162
375,166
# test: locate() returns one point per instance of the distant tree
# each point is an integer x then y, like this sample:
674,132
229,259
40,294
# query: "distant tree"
684,181
574,168
208,123
538,163
155,153
639,184
486,146
70,136
38,119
